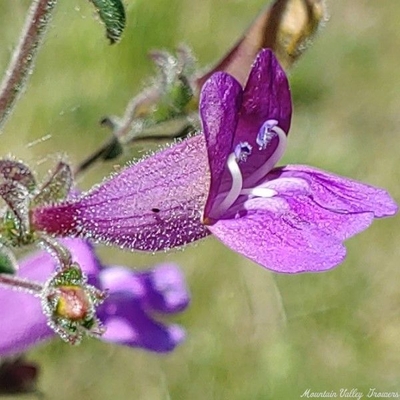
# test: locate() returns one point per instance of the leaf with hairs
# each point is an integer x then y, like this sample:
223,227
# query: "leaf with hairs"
112,14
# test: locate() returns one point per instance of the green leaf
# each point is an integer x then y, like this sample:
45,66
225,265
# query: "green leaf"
57,186
112,14
16,197
8,262
11,170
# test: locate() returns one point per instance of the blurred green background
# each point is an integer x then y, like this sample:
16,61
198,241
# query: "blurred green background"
252,334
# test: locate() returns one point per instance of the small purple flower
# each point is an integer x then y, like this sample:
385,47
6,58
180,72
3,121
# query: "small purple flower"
126,313
289,219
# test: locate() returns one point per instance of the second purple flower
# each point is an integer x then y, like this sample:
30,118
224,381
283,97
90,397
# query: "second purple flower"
129,312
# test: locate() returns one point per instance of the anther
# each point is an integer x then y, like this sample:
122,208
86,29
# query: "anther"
242,151
266,133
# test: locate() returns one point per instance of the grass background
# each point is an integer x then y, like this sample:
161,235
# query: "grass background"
252,334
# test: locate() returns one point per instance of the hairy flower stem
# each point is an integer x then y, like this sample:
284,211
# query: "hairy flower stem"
59,252
109,150
24,56
112,148
121,131
15,283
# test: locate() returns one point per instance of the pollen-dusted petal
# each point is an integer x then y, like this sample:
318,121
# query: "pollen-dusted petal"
340,194
152,205
220,102
281,242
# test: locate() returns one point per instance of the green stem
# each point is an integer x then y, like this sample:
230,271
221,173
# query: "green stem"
15,283
24,56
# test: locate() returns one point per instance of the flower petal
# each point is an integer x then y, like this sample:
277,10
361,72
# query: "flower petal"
266,96
128,324
340,194
342,226
22,322
220,101
121,279
162,288
166,289
132,295
83,254
297,195
153,205
281,242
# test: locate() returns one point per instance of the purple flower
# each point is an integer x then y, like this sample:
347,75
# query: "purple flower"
289,219
126,313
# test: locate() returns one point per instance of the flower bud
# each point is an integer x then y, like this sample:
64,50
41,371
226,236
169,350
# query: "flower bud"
70,304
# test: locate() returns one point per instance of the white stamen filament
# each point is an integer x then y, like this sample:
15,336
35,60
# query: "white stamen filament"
270,163
259,192
251,189
237,182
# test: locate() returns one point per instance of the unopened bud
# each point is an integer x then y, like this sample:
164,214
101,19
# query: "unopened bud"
70,305
73,303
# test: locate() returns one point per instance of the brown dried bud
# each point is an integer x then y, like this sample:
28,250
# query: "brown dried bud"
286,27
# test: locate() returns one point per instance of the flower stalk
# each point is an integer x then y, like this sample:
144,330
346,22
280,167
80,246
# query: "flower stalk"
24,56
16,283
